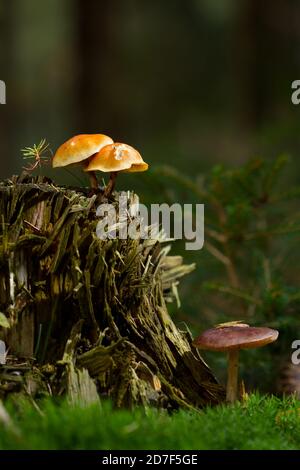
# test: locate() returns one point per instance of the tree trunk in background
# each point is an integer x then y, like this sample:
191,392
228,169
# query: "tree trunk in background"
94,50
250,71
263,45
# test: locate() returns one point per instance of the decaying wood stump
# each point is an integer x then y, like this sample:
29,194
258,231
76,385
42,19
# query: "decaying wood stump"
88,317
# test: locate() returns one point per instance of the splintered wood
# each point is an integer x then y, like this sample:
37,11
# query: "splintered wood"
88,316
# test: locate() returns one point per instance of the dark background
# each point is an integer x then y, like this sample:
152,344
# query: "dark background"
190,83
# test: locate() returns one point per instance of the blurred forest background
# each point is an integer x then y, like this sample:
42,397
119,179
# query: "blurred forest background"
199,87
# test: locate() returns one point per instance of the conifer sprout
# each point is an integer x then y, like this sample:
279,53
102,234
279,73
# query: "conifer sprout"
40,153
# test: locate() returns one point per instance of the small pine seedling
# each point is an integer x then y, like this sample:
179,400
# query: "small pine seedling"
40,153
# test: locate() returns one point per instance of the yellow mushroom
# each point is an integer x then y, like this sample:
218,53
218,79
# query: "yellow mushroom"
116,158
78,150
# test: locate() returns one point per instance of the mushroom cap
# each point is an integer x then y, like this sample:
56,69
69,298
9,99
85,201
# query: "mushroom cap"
137,168
235,337
117,157
232,323
79,148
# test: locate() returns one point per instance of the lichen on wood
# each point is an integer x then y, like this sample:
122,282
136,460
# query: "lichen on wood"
90,313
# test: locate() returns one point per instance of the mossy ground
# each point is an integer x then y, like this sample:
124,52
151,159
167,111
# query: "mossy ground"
260,423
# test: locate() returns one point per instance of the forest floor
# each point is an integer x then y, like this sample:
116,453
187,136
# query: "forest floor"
262,422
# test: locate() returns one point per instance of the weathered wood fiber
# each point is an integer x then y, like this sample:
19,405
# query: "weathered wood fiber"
78,305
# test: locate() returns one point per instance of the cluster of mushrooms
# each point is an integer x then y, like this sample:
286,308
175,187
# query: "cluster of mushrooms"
98,152
231,337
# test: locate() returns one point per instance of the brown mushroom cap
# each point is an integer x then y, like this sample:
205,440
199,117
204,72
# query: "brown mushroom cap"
117,157
235,337
79,148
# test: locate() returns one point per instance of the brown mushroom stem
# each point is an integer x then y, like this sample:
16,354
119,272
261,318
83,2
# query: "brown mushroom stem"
232,379
111,184
93,180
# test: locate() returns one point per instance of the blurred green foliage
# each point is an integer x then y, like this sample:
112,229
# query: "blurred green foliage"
260,423
248,269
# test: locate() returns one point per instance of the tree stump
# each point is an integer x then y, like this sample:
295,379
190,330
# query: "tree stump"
88,317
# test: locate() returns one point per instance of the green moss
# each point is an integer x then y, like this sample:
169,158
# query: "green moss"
261,423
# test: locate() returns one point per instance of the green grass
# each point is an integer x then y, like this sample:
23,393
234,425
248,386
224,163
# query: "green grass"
244,426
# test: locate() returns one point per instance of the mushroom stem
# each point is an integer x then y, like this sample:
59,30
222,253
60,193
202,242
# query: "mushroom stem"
111,184
232,379
93,180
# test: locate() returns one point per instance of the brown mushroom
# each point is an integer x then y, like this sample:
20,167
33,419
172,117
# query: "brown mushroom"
231,339
78,150
116,158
